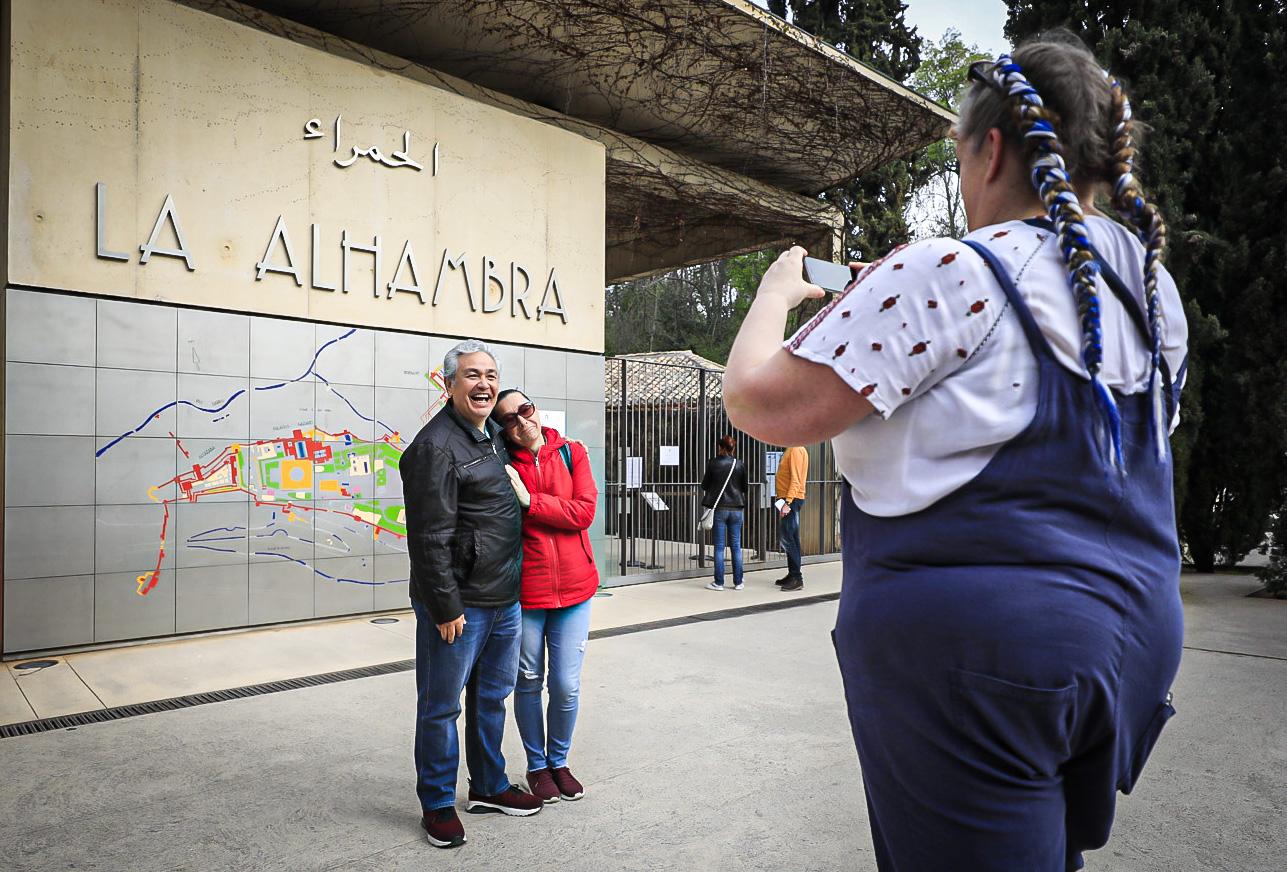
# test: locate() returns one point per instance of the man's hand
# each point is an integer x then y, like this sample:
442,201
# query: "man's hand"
784,511
452,630
520,489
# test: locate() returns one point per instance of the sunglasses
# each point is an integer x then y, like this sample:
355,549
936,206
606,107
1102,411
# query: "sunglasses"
507,421
981,71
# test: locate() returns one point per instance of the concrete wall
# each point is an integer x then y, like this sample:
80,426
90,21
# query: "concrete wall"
149,463
194,442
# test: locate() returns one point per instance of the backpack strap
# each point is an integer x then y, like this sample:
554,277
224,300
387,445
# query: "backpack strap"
566,450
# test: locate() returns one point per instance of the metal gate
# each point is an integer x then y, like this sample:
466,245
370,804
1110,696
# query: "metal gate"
664,412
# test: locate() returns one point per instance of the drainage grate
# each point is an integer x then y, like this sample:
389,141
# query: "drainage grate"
99,716
64,722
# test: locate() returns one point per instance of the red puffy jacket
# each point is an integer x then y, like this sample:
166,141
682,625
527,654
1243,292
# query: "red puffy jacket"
558,562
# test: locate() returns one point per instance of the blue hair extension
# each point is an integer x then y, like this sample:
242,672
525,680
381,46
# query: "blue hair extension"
1050,178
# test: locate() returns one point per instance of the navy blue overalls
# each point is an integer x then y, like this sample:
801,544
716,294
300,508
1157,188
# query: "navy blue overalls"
1008,652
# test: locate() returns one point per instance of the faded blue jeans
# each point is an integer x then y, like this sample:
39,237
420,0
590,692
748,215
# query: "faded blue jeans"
482,662
728,530
561,634
789,536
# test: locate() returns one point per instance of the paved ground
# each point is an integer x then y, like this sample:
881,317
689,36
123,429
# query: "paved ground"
719,745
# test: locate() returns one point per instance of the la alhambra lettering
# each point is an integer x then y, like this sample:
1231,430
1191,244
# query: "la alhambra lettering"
489,295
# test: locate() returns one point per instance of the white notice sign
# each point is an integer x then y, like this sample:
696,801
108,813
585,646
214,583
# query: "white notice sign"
771,461
654,501
557,420
670,455
634,472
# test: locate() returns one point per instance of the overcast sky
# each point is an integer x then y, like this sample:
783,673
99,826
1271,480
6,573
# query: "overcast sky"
980,21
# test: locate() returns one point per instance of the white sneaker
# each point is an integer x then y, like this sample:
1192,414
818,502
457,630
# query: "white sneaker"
738,586
713,586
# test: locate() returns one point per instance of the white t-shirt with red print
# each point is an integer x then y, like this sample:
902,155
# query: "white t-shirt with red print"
928,337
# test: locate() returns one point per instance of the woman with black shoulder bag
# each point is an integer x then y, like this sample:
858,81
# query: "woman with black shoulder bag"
724,499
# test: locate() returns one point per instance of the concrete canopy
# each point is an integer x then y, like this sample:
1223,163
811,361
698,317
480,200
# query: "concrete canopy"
721,120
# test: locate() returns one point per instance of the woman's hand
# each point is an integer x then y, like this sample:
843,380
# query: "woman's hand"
784,280
520,489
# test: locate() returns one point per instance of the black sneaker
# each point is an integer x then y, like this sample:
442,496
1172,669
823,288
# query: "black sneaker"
786,579
512,800
793,583
443,827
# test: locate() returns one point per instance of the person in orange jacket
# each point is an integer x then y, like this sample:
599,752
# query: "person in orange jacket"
793,472
552,478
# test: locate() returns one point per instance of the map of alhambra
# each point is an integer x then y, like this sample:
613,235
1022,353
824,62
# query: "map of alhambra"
314,494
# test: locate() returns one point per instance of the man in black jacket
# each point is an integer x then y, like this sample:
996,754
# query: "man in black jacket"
464,536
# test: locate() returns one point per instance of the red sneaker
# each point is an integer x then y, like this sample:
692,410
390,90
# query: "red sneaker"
443,827
569,787
512,800
541,784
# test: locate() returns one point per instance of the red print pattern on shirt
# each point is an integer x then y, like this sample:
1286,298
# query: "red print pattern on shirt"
947,258
868,390
876,346
932,304
898,266
840,349
960,352
845,314
1000,233
920,348
907,392
890,302
976,307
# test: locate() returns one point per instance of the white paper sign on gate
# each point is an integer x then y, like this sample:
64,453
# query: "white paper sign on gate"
670,455
634,472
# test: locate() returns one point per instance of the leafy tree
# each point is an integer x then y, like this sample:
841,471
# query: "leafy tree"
1200,74
936,206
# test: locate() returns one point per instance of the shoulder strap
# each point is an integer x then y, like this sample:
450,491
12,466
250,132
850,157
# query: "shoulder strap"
566,450
1134,310
1036,339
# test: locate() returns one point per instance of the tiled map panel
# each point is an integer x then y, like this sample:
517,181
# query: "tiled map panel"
172,470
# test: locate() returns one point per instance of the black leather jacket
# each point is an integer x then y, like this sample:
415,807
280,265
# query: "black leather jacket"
464,524
716,471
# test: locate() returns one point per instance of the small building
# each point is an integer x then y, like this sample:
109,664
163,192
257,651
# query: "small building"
240,237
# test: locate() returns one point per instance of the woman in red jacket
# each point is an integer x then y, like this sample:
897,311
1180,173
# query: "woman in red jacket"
556,489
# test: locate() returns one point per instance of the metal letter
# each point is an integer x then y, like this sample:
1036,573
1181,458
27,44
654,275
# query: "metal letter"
408,258
435,158
316,264
458,263
150,247
279,232
337,134
313,128
516,299
346,247
551,285
489,276
100,193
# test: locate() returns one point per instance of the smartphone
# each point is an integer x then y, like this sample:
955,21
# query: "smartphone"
831,277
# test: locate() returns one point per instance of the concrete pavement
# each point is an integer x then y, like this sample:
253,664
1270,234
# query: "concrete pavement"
717,745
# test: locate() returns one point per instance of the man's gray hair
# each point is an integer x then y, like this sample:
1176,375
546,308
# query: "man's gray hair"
451,360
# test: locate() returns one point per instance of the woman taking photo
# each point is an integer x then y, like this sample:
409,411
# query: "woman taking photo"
724,493
1009,623
552,478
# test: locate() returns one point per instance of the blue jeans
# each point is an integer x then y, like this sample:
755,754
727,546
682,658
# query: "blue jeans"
728,530
482,662
789,536
563,633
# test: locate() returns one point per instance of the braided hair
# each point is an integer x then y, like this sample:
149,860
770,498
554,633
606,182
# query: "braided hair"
1146,219
1089,101
1035,124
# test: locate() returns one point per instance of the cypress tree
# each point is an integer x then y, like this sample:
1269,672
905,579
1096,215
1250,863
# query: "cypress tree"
1203,75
